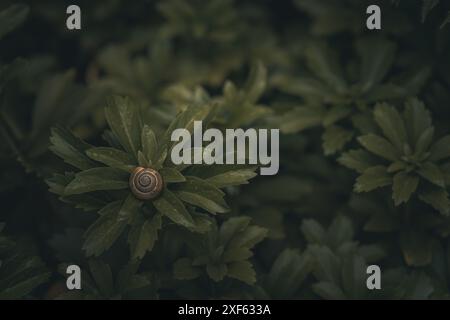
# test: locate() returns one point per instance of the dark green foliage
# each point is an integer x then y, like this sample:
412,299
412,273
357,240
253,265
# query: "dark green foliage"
100,282
107,169
408,159
287,274
224,252
12,17
332,96
364,149
21,270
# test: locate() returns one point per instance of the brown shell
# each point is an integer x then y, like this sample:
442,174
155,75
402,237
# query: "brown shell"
146,183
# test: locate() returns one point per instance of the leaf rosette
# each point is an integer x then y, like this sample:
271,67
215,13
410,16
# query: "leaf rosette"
102,181
403,154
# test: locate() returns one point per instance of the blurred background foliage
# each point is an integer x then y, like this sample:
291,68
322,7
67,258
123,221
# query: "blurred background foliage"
364,117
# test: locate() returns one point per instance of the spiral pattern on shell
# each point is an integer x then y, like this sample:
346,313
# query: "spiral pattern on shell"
146,183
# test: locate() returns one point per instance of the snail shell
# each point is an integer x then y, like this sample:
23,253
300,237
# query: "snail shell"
146,183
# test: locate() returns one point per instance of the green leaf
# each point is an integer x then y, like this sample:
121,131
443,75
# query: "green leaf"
225,175
403,187
440,149
185,120
202,222
438,199
301,87
232,178
102,275
130,208
397,166
200,193
236,254
336,113
105,230
358,160
364,123
216,271
377,56
181,94
372,178
249,238
256,82
149,144
334,139
124,120
327,266
203,202
391,123
171,175
183,270
323,61
432,173
142,160
287,274
112,157
143,235
379,146
424,141
232,227
162,157
71,149
243,271
417,119
313,231
301,118
170,206
12,17
340,231
111,139
97,179
86,201
58,182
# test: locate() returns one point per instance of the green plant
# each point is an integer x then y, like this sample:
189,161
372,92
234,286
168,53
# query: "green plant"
224,252
364,150
21,270
103,181
411,161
